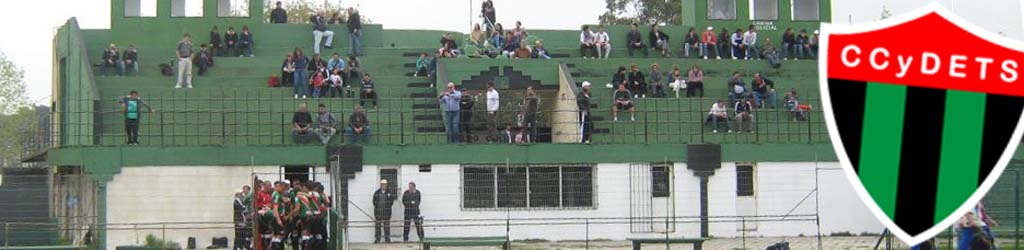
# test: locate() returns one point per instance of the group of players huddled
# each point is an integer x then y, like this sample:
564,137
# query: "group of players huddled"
294,212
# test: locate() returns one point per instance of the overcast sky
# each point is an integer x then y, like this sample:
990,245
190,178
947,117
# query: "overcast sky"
29,25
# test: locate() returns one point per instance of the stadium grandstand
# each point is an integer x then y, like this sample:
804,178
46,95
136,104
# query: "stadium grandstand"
507,145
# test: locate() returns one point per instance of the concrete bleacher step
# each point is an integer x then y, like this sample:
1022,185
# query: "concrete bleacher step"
425,106
422,95
409,65
430,129
418,84
428,117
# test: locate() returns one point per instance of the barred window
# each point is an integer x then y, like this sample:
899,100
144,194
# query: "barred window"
140,8
233,8
522,186
722,9
186,8
764,9
745,180
805,10
660,181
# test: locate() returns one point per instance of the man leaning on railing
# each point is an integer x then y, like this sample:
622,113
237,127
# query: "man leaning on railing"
130,105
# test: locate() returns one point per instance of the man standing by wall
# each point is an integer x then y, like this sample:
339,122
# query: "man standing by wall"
492,111
383,198
130,106
184,52
531,107
355,26
278,15
583,102
450,100
411,202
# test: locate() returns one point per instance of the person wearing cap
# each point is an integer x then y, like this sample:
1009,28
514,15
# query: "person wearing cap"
583,102
709,41
411,202
383,199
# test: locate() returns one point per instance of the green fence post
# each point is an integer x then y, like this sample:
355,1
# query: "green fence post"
1016,209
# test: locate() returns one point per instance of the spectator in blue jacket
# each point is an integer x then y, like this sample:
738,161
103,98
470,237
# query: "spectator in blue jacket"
450,101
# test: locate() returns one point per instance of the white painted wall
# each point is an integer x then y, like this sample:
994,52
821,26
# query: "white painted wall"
779,187
174,195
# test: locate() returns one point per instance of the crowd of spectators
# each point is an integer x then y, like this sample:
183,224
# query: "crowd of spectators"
304,129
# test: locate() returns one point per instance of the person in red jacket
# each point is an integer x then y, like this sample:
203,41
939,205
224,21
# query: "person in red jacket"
710,41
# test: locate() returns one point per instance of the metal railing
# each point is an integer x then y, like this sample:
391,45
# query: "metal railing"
264,117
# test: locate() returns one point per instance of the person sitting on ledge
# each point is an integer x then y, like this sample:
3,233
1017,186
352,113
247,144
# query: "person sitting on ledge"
358,126
302,125
539,51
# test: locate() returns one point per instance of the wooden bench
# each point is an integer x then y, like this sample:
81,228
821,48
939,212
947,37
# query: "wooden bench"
465,242
698,243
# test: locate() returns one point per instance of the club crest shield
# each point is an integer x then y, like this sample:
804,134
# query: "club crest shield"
924,113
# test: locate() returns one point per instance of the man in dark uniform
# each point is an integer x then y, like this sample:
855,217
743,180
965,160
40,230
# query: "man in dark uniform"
411,202
383,198
466,118
583,102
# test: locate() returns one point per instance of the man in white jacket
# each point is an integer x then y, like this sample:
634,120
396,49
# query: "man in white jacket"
750,41
492,112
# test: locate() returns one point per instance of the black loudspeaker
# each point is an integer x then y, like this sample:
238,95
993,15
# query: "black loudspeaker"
191,243
704,159
351,158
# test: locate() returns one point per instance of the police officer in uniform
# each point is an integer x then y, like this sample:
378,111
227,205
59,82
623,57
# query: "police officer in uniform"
411,202
383,198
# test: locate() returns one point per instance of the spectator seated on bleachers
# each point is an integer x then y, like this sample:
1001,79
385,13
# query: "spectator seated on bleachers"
744,115
603,42
302,123
539,51
709,42
764,91
317,65
738,48
449,46
288,71
770,54
216,44
335,83
695,82
366,91
422,65
792,105
692,42
358,126
511,43
623,101
317,83
718,116
523,52
130,60
337,64
325,124
203,59
676,80
355,70
112,60
588,43
519,31
497,37
477,37
750,43
812,45
635,41
789,45
737,88
637,82
659,41
619,78
231,42
245,44
801,45
656,78
724,43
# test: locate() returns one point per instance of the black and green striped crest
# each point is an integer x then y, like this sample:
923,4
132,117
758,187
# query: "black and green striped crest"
924,129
